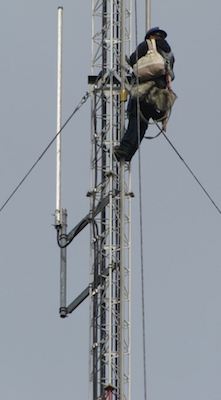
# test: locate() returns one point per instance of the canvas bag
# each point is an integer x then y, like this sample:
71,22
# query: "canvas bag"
162,99
150,65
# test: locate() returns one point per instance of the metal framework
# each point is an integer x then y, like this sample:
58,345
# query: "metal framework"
110,204
110,229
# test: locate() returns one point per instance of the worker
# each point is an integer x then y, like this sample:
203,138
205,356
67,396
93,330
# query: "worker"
146,108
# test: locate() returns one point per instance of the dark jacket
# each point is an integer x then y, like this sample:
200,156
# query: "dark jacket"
162,47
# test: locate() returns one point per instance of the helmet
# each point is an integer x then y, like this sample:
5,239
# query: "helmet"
156,30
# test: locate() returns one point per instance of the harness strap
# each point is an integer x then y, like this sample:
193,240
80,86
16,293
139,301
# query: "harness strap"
151,43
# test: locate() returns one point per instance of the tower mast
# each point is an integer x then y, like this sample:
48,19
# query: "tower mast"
110,183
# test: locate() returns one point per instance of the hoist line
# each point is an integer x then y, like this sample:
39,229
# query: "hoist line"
80,104
189,169
141,220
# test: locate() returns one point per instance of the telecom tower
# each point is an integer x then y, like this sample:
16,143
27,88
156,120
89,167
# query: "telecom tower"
110,183
110,198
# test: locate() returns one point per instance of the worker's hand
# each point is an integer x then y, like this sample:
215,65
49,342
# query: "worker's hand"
169,82
164,124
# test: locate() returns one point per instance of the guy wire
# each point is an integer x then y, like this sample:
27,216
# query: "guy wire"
82,101
189,169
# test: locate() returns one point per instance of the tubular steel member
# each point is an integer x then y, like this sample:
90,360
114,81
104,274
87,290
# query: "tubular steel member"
122,198
59,112
148,14
63,267
110,229
60,214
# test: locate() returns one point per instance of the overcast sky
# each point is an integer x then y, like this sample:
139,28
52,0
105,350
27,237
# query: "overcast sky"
42,356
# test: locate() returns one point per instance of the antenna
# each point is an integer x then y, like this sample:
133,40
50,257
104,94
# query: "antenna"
148,14
60,214
59,112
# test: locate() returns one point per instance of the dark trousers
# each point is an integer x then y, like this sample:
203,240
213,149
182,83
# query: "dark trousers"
132,137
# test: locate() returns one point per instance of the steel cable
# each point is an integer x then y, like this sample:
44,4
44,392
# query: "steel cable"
80,104
192,173
187,166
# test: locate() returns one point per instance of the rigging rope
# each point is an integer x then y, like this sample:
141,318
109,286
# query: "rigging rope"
80,104
141,223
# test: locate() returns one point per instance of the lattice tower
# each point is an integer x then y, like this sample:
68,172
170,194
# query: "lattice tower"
110,185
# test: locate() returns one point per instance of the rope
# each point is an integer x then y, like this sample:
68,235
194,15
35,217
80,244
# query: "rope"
189,169
141,223
82,101
192,173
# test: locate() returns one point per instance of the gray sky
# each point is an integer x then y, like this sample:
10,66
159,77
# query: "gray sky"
41,355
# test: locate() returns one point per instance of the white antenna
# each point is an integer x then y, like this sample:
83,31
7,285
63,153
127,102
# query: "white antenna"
60,214
148,14
59,112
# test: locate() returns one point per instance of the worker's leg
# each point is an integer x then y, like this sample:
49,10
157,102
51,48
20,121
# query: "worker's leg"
132,136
